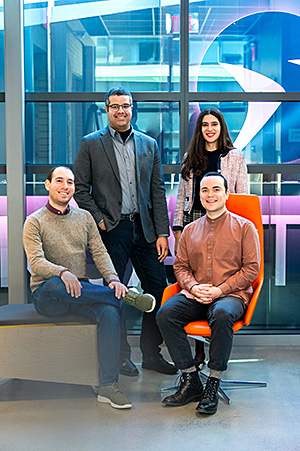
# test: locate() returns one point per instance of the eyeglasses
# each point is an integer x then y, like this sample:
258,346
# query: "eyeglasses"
116,107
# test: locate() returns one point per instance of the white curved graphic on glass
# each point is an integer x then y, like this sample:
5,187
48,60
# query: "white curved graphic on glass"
295,62
258,112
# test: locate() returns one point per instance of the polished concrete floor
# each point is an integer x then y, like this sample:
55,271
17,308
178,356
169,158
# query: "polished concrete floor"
39,416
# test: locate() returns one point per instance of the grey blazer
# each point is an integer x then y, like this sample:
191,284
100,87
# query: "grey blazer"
98,187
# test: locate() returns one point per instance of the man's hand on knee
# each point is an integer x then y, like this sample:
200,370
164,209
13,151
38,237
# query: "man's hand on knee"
120,289
73,286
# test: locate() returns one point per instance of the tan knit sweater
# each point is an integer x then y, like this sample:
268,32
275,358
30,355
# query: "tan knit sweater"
53,242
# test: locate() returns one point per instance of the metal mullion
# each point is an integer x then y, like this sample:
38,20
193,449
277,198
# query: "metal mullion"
244,96
160,96
273,168
15,148
175,168
184,76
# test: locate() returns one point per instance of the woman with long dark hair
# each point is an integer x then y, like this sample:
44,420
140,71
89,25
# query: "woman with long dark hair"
210,150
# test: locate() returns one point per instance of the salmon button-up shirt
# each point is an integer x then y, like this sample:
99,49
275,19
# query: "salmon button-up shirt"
223,252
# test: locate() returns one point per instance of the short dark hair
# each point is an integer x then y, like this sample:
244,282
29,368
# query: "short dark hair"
50,173
119,91
216,174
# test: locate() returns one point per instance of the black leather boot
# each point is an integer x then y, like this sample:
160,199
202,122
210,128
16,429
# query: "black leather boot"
210,398
190,389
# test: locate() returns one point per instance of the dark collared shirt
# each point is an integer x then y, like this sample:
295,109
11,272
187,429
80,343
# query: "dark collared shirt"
57,212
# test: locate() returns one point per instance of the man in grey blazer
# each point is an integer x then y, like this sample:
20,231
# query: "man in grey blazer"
118,179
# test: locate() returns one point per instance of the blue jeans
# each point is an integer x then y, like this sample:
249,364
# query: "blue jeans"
97,303
127,241
178,311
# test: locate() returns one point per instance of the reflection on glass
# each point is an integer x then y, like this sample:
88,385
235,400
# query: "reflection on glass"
2,134
269,141
240,48
93,46
3,242
281,221
2,71
54,131
161,122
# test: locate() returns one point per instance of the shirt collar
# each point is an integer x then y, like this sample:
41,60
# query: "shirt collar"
57,212
114,133
219,218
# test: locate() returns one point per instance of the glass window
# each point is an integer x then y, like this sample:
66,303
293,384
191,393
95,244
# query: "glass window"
161,122
234,47
3,211
2,71
2,135
3,199
278,303
92,46
53,135
267,132
240,48
54,130
3,242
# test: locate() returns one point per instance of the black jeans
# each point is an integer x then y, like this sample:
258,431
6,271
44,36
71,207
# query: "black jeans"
125,242
178,311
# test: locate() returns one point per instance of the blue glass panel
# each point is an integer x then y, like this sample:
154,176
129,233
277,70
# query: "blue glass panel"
92,46
240,48
267,132
54,130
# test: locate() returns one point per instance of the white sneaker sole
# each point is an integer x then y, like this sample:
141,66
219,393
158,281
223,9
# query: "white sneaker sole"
154,304
154,300
115,406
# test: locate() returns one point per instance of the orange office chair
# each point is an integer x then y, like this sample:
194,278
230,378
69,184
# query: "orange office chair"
247,206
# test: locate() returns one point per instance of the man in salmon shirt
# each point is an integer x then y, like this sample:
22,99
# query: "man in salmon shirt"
217,260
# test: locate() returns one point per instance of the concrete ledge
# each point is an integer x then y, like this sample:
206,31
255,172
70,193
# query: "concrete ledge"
267,340
53,353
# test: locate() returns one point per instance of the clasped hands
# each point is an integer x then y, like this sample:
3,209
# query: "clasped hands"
73,285
205,293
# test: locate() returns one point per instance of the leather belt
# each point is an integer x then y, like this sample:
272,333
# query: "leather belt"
130,217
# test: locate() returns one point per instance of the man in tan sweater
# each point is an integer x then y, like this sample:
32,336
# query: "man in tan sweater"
56,238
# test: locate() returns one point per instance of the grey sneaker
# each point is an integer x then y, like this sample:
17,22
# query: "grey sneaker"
144,302
112,395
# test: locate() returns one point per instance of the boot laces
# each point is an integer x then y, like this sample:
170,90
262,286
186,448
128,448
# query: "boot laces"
211,389
180,380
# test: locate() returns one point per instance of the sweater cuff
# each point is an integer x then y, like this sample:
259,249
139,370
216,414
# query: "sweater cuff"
62,271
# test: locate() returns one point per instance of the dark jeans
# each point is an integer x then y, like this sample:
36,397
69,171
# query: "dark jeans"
97,303
126,242
178,311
